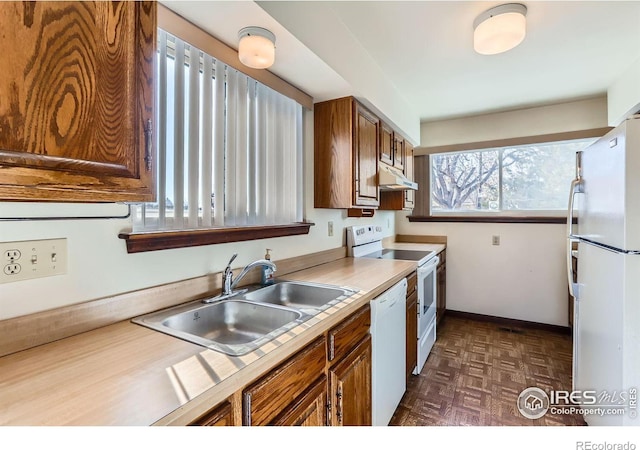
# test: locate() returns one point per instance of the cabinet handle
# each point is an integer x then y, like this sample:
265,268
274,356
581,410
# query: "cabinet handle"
332,350
247,409
339,405
148,140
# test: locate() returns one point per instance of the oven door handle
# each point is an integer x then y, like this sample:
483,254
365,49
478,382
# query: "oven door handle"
428,267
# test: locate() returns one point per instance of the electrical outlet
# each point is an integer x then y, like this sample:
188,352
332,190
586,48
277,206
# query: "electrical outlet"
495,240
330,228
12,269
12,255
33,259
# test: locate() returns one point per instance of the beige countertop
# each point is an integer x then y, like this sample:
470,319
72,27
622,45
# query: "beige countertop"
125,374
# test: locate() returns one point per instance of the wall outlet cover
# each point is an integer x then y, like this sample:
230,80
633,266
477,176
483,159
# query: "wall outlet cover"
25,260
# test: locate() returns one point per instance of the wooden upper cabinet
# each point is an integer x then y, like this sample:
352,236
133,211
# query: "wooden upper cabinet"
386,144
346,143
77,101
409,195
405,199
366,158
398,152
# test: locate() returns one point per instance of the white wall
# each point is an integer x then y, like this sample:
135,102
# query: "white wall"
523,278
100,266
329,38
558,118
624,95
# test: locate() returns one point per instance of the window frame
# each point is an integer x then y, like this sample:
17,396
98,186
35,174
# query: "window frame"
422,211
141,241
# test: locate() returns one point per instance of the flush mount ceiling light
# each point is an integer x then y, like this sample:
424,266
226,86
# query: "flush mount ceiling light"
499,29
257,47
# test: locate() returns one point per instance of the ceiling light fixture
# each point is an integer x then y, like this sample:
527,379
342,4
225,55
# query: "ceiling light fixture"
499,29
257,47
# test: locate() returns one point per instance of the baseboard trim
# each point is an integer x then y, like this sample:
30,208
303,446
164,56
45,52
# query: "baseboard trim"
513,323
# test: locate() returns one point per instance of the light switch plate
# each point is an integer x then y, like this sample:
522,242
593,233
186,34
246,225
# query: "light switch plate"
25,260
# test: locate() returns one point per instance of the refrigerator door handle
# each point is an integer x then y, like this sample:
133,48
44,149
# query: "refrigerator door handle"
576,187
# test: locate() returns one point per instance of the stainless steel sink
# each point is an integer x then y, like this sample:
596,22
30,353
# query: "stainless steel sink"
243,323
297,294
233,326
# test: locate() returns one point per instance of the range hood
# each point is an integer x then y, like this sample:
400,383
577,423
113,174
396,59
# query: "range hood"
392,179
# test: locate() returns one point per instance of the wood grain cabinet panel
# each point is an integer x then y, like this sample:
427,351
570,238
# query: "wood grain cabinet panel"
405,199
343,337
366,158
77,100
220,415
310,410
346,145
268,397
350,387
386,144
409,195
398,152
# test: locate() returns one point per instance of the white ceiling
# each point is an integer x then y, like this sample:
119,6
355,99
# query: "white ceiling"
572,50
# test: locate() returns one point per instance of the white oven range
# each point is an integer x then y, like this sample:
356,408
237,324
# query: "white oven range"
366,242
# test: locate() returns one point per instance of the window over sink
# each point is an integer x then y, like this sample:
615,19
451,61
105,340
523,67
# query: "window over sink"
229,153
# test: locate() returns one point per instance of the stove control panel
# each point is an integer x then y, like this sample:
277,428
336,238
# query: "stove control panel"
363,234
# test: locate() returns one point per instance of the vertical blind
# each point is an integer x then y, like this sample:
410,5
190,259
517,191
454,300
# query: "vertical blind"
229,148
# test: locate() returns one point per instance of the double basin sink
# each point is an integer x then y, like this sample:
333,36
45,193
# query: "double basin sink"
243,323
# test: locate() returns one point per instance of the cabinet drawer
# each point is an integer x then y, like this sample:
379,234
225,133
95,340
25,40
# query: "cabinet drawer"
411,283
220,415
265,399
345,336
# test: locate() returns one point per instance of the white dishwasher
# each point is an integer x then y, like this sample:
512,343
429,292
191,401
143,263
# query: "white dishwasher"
388,342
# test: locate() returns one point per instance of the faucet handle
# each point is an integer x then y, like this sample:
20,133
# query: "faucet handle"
235,255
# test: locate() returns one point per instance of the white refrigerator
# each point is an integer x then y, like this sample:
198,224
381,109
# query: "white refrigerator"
606,335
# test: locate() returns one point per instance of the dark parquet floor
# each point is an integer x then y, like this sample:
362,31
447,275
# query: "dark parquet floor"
476,370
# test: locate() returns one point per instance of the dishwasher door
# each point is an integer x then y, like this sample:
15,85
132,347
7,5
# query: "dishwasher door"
388,338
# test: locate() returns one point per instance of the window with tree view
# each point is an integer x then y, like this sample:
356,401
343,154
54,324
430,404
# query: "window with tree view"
528,178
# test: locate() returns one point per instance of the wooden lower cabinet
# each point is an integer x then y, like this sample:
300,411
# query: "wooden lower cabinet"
309,410
326,383
284,386
350,387
220,415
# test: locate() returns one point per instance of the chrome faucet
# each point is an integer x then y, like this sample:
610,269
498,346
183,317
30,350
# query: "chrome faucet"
229,283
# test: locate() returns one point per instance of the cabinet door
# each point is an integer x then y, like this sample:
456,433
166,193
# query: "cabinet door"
386,144
350,387
398,153
412,332
221,415
268,397
409,195
365,156
309,410
441,300
77,100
